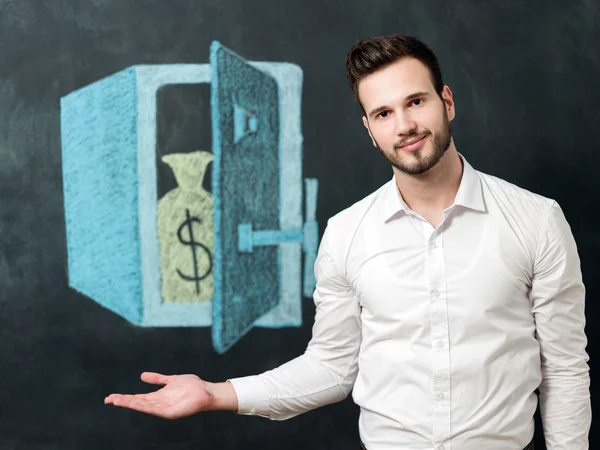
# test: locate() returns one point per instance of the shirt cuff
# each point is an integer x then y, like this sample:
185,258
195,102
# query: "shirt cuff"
252,394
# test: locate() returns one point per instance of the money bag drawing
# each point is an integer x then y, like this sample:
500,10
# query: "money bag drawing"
235,258
185,219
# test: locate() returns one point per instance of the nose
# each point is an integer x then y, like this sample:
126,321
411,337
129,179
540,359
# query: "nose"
404,124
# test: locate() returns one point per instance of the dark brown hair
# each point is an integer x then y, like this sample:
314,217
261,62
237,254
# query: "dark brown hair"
368,56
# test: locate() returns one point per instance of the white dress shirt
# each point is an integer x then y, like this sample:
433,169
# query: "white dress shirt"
444,334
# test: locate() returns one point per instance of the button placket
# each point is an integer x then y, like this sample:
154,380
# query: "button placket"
436,273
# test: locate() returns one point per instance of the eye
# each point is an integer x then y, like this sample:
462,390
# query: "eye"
417,101
383,114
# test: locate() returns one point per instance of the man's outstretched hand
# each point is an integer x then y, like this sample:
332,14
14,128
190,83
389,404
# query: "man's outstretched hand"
180,396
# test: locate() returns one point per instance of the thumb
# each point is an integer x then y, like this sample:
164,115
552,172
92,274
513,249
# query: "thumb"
155,378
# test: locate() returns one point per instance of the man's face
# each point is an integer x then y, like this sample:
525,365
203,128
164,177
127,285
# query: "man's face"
406,119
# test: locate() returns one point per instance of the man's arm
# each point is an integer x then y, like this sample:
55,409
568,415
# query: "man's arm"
558,305
326,372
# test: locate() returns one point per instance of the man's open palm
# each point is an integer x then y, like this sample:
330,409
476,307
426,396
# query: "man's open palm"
181,396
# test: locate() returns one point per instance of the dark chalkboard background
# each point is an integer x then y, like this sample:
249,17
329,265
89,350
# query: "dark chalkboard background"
525,79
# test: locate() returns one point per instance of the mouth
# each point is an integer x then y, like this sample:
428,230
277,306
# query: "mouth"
413,145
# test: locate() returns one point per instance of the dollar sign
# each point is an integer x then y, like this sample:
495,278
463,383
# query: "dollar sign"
188,223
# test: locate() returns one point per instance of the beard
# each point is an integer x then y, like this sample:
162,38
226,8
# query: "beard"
422,162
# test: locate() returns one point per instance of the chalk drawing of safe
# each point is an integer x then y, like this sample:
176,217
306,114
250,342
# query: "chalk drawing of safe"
231,259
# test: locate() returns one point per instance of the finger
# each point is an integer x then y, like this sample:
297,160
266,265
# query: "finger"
126,400
155,378
117,398
137,403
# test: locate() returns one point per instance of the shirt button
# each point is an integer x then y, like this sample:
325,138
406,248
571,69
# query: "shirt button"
435,293
440,345
433,245
440,397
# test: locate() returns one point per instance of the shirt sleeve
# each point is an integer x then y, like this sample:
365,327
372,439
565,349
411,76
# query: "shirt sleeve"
326,372
558,305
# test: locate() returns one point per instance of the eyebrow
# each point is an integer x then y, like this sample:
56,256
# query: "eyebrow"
406,99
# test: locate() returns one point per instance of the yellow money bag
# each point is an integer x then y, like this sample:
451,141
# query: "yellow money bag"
186,230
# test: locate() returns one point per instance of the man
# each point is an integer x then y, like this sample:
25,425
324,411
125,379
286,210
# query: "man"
444,299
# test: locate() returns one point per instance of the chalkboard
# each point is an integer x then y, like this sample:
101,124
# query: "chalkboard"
524,77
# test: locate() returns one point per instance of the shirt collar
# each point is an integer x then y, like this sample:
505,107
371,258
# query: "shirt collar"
469,193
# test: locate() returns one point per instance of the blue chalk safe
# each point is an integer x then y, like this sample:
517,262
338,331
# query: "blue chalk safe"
108,132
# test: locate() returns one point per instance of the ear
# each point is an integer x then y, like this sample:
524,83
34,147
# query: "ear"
448,102
366,124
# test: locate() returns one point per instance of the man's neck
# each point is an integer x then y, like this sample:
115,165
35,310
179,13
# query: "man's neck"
431,193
